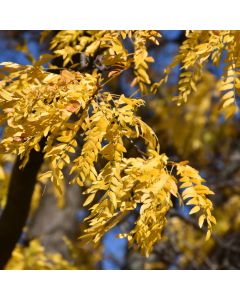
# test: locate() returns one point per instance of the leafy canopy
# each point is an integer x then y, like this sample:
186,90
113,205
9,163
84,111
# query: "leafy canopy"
72,112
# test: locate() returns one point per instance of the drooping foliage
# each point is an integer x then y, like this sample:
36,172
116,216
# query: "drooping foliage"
200,47
90,130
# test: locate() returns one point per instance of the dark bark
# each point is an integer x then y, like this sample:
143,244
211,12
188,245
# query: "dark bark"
15,214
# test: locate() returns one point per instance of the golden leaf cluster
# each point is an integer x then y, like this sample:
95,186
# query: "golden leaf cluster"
199,48
35,257
112,45
72,114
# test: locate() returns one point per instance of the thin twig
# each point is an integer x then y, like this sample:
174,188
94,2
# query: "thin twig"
143,154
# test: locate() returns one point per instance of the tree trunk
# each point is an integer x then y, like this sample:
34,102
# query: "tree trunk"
15,213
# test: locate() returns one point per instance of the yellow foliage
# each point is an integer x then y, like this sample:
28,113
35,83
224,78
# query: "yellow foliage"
200,47
195,193
190,242
71,109
34,257
110,43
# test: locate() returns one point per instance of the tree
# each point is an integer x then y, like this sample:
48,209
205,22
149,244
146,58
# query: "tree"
63,117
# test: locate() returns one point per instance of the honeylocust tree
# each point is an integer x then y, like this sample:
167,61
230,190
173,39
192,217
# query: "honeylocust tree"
63,113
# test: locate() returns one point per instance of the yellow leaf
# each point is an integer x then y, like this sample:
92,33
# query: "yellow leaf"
228,95
212,219
192,202
89,199
194,210
6,95
208,235
64,139
201,220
